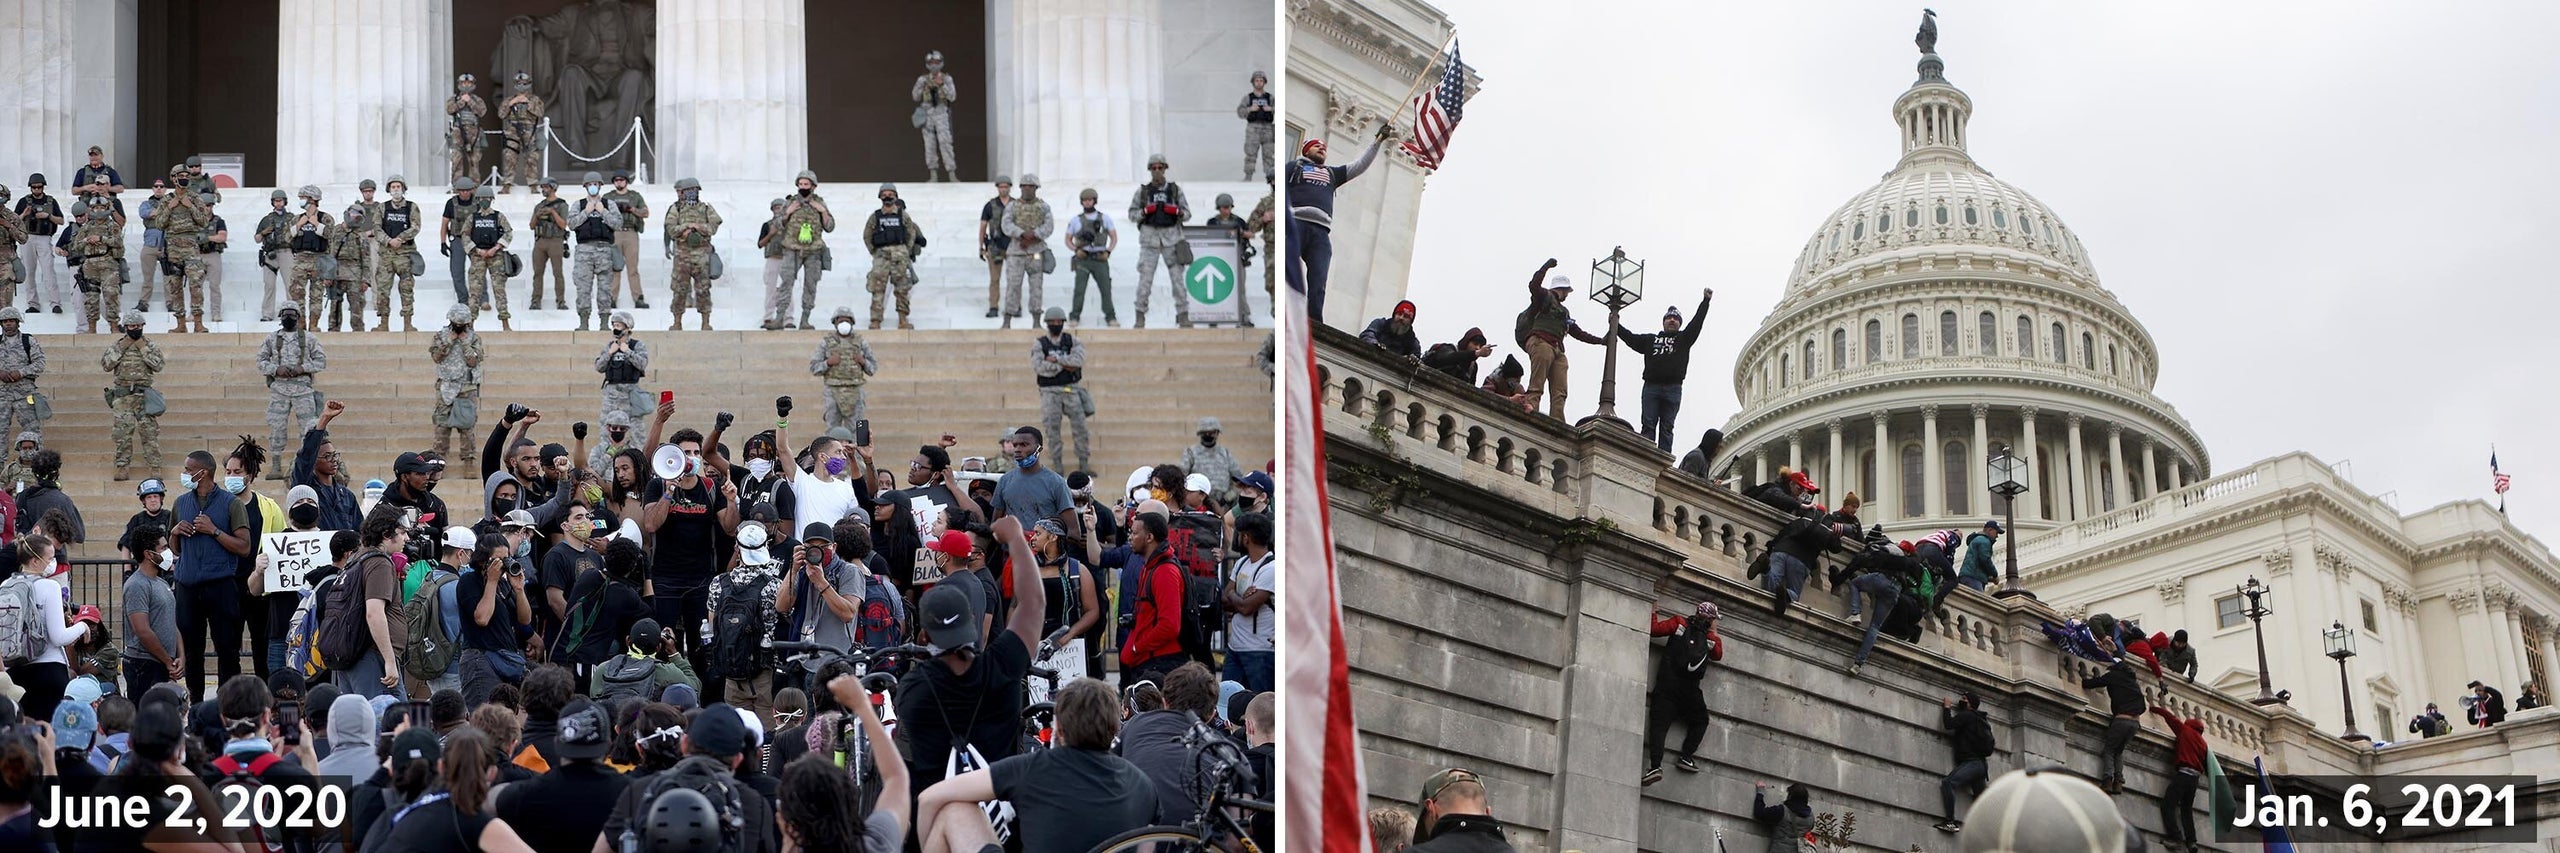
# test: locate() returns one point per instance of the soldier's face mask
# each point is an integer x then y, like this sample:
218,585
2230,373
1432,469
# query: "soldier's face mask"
689,195
398,193
843,327
615,433
133,332
524,87
595,189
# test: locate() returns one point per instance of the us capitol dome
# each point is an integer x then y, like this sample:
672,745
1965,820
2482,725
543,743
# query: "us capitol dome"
1939,315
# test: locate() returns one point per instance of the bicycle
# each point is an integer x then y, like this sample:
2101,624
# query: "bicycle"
1216,827
853,750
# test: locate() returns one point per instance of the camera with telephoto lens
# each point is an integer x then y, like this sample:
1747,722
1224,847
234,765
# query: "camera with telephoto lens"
422,545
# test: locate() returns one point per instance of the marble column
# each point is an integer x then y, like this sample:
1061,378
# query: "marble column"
104,36
1080,86
1888,474
733,92
2027,449
39,122
2150,471
1795,452
2177,474
2079,503
1933,472
1834,462
2116,479
2501,636
1978,499
360,92
1759,460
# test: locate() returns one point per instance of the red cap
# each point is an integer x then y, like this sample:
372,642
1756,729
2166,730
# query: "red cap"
954,543
89,613
1404,308
1308,145
1907,547
1805,482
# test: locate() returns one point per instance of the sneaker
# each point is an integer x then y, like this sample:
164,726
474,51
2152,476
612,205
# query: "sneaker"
1652,775
1950,826
1853,669
1686,764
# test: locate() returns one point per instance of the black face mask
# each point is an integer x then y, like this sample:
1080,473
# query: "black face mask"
133,334
807,190
461,328
304,515
1057,329
1209,441
614,433
291,323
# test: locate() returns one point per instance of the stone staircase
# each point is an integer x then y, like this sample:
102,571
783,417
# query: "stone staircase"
1151,387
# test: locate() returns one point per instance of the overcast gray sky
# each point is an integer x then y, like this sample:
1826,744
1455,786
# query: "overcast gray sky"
2325,213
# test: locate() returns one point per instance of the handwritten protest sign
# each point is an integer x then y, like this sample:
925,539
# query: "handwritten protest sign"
292,555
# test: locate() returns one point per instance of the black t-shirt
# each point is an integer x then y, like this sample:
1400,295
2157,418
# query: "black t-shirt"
436,827
1071,800
500,633
629,807
161,520
688,549
560,570
774,490
983,707
621,608
565,808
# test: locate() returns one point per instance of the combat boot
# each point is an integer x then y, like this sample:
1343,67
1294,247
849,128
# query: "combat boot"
1182,319
804,319
355,321
405,324
706,319
1142,321
199,325
122,474
506,324
903,323
582,323
677,325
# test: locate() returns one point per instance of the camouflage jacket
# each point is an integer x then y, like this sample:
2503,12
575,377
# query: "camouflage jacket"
544,228
520,116
854,362
21,354
271,229
296,349
695,220
941,95
1026,217
457,360
12,232
131,362
346,243
1262,222
635,210
182,215
97,238
465,110
804,226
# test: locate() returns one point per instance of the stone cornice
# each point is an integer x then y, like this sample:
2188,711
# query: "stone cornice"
1750,422
1361,31
2278,562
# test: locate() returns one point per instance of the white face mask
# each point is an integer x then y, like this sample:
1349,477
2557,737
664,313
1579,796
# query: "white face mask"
844,328
759,467
397,195
167,558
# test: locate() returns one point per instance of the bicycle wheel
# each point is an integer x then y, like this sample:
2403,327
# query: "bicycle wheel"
1154,839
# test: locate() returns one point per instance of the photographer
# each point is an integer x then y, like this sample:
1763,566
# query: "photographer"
413,488
2430,724
497,613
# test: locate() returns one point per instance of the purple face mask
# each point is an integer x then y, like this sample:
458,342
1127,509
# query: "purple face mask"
835,466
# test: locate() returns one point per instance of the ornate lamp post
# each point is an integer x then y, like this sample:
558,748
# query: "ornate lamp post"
2342,645
2257,611
2009,480
1616,281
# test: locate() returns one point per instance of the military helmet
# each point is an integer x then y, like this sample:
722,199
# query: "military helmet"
622,317
463,184
933,56
395,179
1004,180
459,313
11,313
548,181
1258,75
617,418
843,312
208,195
1030,180
1154,160
887,188
1225,200
592,178
524,77
4,194
278,194
365,184
1088,195
778,203
622,174
308,191
35,180
688,184
355,212
194,162
80,208
465,77
812,177
131,318
288,308
175,171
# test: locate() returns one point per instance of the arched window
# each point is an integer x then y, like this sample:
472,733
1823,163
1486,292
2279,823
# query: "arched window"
1884,223
1782,370
1913,487
1834,245
1970,217
2061,346
1942,214
1999,218
1911,217
1958,467
1910,336
1839,349
1875,341
2111,359
1987,338
1947,333
2026,337
1867,477
2088,351
1808,359
1859,231
2027,226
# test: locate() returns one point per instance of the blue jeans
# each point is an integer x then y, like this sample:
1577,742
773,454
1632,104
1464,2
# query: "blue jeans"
1968,777
1661,407
1786,573
1878,594
1310,263
1970,582
364,679
1251,669
275,652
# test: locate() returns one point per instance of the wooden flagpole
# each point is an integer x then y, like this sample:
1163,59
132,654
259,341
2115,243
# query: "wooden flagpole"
1418,81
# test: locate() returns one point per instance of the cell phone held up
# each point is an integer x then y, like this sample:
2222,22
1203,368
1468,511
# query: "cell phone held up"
862,432
289,722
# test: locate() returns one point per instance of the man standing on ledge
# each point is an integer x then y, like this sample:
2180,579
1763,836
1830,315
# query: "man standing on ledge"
1666,366
1311,188
1541,332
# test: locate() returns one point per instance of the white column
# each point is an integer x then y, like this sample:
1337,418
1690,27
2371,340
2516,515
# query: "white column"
2079,502
1888,502
733,91
1085,78
1933,473
1795,452
2177,474
1980,475
358,91
2502,641
1759,460
105,35
2035,463
39,130
2150,470
1834,463
2116,478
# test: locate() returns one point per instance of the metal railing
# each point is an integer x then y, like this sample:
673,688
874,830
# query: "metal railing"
100,582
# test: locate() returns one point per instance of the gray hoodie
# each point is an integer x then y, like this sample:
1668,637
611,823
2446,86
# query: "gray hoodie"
351,745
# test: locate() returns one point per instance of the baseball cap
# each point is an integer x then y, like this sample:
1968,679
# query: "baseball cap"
516,520
717,730
75,725
84,690
950,617
459,537
954,543
644,634
2045,809
1431,789
417,743
584,732
300,495
683,696
1993,526
1196,483
1256,481
1804,481
409,463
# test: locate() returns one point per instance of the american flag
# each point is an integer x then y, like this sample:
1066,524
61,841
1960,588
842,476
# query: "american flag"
1436,113
2497,481
1324,806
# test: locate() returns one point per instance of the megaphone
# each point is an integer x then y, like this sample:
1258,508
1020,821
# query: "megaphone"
668,463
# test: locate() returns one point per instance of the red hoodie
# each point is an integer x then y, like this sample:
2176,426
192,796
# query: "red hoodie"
2190,734
2141,648
1158,631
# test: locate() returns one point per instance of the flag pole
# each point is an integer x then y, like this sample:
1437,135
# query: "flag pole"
1418,81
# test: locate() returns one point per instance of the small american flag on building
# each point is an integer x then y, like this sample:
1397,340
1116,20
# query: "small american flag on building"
2497,480
1436,112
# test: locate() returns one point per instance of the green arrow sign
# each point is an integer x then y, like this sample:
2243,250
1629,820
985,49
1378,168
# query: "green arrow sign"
1210,280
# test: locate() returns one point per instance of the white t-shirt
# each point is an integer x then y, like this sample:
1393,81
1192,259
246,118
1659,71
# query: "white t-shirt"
1252,633
821,500
60,632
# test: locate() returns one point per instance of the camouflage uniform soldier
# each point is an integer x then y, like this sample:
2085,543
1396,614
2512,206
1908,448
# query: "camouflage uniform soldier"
288,358
273,253
457,352
844,362
217,239
595,221
182,216
520,115
308,237
894,238
462,128
97,249
933,94
626,237
1158,209
367,231
1262,223
805,223
12,232
21,361
689,227
350,245
1026,226
551,247
624,362
396,231
1256,110
777,291
487,233
132,362
1057,367
1226,218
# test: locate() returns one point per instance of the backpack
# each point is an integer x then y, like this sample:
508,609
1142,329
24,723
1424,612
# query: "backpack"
21,639
712,780
738,630
627,677
299,654
1520,326
249,776
1194,621
583,614
430,650
1692,650
343,638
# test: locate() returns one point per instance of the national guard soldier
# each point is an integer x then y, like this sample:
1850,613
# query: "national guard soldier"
520,116
689,227
462,127
1158,209
595,221
274,237
217,239
933,94
1026,229
12,232
626,237
308,236
288,359
1226,218
806,221
1255,109
617,437
349,246
488,233
844,362
457,352
1057,367
182,218
1264,223
1092,237
397,259
624,362
894,238
132,362
453,229
21,361
97,254
369,237
777,291
551,247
